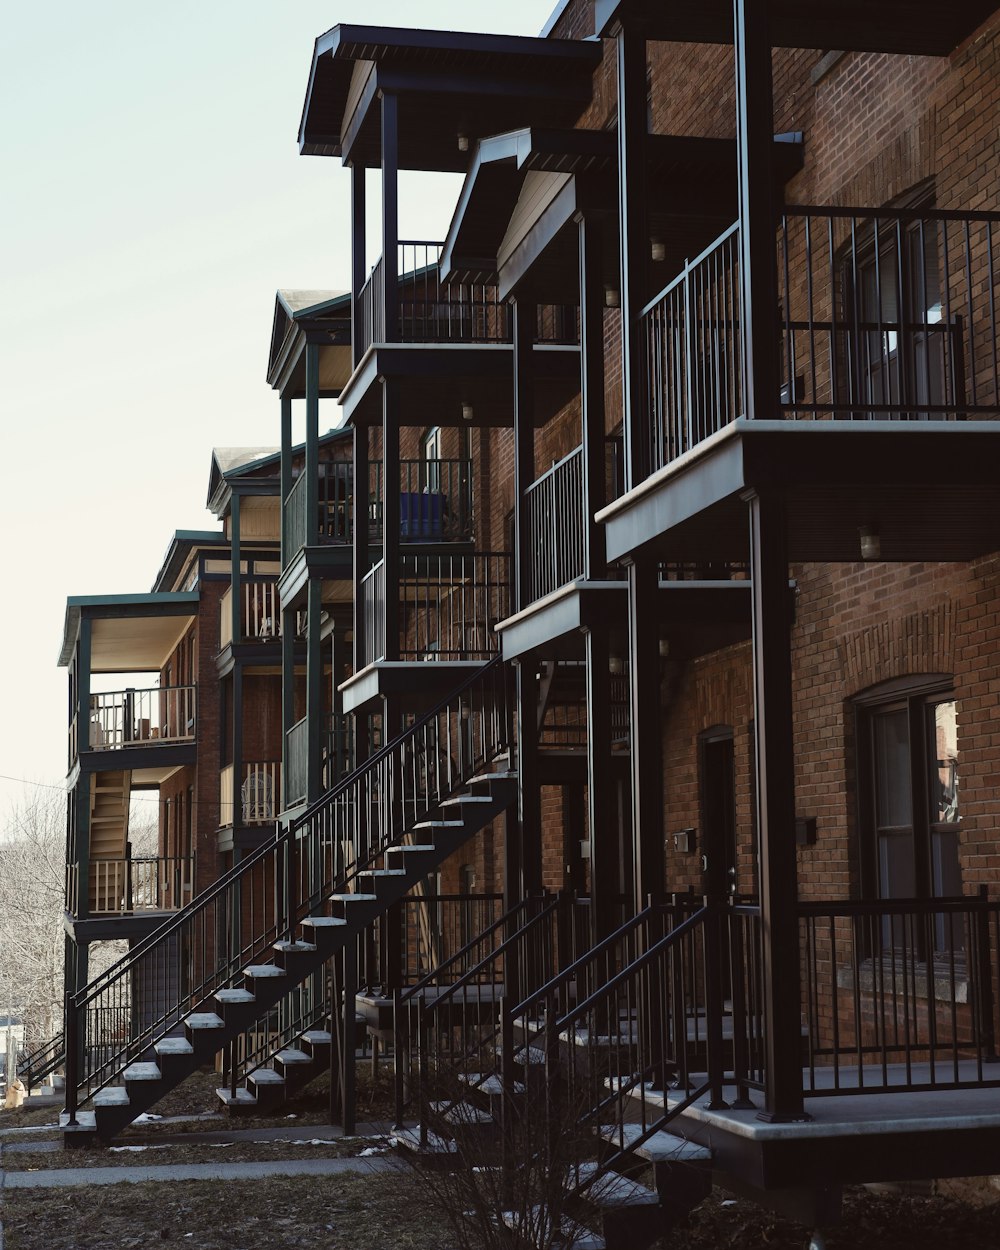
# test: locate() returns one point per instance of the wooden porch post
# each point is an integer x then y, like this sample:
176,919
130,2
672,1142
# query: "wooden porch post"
646,744
525,318
632,215
358,254
592,392
287,695
236,575
81,792
772,684
312,443
390,215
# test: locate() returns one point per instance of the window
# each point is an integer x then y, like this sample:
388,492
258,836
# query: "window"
432,458
899,344
908,757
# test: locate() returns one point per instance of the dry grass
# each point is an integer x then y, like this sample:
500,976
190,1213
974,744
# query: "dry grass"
346,1212
191,1151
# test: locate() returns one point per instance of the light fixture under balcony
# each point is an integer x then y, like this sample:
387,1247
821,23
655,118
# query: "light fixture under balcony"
612,297
664,648
463,142
467,412
615,665
871,543
658,249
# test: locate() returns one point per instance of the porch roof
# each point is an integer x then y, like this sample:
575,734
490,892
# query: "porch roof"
129,633
920,27
302,316
454,83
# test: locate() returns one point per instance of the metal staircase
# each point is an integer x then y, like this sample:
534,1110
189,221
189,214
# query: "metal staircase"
281,915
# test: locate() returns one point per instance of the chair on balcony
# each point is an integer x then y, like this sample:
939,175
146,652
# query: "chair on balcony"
257,798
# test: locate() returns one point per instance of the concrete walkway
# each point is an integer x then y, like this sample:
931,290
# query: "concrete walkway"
58,1178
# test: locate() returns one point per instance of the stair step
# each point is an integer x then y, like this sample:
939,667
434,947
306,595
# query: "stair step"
243,1098
571,1236
440,824
111,1098
661,1147
295,948
353,898
615,1190
324,922
293,1055
461,799
266,1076
205,1020
86,1122
490,1085
461,1113
142,1072
409,1139
234,996
264,970
174,1046
318,1037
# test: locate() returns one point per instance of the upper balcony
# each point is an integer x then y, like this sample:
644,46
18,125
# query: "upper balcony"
887,400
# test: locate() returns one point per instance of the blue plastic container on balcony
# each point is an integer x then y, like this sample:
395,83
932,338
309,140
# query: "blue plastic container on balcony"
421,514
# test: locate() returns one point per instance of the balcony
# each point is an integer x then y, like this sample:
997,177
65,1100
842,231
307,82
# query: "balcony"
886,396
142,883
124,719
884,315
258,791
448,606
430,311
260,613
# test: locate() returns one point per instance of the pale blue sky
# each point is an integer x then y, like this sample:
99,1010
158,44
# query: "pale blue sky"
153,200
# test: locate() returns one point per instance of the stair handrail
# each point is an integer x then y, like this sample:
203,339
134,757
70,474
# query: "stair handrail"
38,1063
283,842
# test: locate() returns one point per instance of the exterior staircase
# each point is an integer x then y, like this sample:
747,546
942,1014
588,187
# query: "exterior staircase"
436,793
110,793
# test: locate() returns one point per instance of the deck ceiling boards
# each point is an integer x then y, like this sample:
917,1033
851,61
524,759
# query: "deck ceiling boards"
135,644
691,190
920,27
449,83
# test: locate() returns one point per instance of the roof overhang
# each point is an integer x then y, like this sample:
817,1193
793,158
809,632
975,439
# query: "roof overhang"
183,545
303,317
128,633
454,83
525,190
919,27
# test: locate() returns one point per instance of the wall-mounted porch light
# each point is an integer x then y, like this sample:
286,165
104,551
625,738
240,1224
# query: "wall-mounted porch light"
658,249
615,665
467,412
612,297
871,543
463,142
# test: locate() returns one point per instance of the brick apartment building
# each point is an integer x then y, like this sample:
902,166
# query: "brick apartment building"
661,688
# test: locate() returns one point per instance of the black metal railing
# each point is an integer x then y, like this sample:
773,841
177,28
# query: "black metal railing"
434,929
35,1065
556,520
900,996
448,604
296,779
236,921
884,314
435,501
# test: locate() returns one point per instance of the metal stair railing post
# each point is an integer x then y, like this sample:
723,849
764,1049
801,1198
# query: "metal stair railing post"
714,1003
986,1031
72,1058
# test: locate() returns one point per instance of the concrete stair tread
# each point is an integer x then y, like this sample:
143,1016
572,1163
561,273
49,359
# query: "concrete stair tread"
264,970
204,1020
415,847
388,872
661,1147
409,1139
86,1122
324,922
459,799
293,948
615,1190
266,1076
318,1037
243,1098
142,1072
490,1084
571,1236
461,1113
440,824
234,996
173,1046
293,1055
111,1098
353,898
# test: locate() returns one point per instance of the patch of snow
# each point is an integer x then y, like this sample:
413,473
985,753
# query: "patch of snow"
136,1149
146,1118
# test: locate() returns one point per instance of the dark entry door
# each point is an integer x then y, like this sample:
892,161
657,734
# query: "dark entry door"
718,813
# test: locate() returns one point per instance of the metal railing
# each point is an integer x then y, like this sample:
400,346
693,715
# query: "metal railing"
449,605
297,761
236,921
437,928
889,314
259,793
128,718
34,1066
556,520
884,314
900,996
435,501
